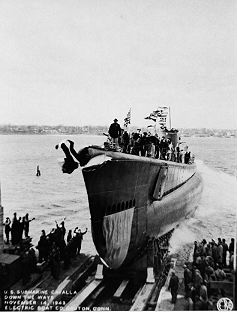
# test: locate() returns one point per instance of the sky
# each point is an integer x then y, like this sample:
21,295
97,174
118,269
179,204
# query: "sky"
76,62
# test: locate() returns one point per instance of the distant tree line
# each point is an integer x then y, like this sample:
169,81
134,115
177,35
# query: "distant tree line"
45,129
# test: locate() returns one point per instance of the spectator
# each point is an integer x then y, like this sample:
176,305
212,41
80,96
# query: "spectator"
208,250
198,280
202,304
43,247
220,251
7,229
215,252
27,225
79,238
115,132
195,252
125,140
173,287
210,274
225,249
219,273
231,246
21,227
187,280
14,230
69,236
232,261
136,144
164,145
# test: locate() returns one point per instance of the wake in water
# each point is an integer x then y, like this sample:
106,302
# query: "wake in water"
215,216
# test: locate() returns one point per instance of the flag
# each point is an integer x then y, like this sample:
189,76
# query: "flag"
151,117
162,119
160,114
127,120
162,111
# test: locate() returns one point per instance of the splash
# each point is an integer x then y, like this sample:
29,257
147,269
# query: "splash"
182,236
219,196
215,216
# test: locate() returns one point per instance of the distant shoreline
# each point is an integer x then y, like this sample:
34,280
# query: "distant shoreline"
99,134
43,134
99,130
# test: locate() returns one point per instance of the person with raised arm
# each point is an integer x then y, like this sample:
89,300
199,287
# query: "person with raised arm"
27,225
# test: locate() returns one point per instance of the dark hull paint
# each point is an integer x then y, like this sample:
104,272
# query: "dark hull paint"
125,186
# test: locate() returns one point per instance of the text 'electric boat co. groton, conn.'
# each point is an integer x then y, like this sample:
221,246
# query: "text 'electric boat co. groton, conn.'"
133,198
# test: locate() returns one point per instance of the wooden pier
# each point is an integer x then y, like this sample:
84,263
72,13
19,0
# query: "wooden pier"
88,285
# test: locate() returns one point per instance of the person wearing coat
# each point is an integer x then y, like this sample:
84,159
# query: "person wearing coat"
173,287
7,229
115,132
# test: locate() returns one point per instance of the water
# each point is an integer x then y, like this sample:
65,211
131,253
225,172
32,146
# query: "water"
55,196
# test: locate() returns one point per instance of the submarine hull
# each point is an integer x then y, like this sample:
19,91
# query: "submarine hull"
133,198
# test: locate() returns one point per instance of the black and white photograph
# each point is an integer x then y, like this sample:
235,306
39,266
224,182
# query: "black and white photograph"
118,155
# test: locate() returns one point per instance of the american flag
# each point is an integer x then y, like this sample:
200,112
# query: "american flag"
127,120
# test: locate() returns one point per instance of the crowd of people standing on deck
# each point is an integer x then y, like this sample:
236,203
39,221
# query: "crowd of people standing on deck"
146,144
53,248
210,259
17,227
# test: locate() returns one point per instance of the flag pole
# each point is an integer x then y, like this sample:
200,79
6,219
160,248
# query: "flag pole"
169,118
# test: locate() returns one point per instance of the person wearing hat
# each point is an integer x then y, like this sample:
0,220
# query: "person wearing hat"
115,132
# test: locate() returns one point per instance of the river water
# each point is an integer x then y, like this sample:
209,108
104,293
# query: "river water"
55,196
